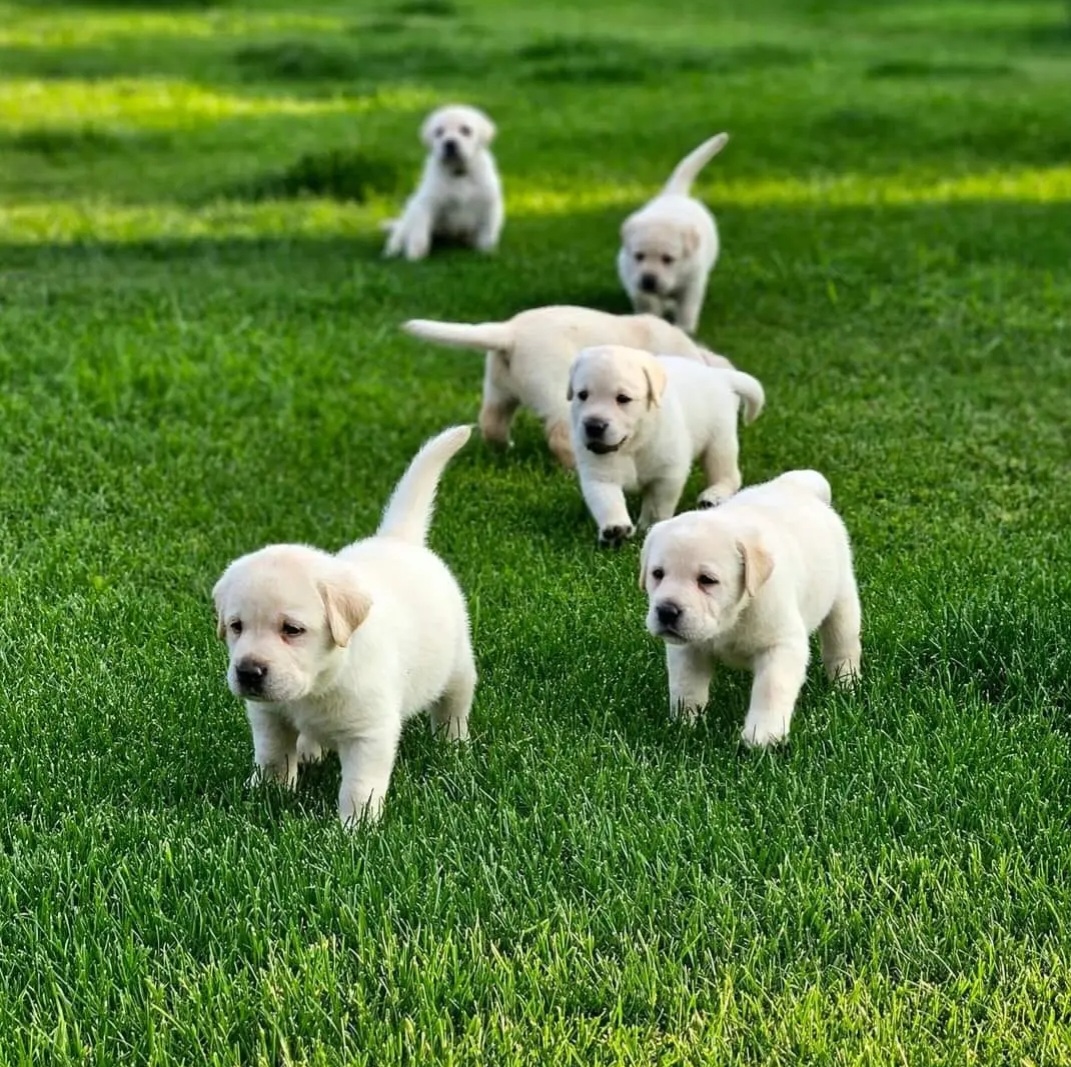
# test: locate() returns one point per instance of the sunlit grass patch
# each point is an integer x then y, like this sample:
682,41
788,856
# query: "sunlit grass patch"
74,28
143,102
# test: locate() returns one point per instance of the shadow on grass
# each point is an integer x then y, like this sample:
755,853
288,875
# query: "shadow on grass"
338,174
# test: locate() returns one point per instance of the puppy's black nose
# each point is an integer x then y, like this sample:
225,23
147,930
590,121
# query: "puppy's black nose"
595,427
251,674
449,147
648,283
668,613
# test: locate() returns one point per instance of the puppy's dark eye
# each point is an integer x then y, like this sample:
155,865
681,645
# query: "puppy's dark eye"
658,574
639,257
439,131
706,581
667,260
291,630
466,131
582,395
622,399
236,627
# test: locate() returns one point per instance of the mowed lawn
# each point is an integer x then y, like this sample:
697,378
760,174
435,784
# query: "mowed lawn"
199,354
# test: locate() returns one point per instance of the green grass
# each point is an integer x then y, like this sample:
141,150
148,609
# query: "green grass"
199,354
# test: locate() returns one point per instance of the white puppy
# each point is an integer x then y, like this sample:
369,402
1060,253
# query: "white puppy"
638,422
670,246
460,194
340,650
529,356
747,583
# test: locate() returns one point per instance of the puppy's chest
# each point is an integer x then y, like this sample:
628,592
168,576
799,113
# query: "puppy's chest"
328,720
462,206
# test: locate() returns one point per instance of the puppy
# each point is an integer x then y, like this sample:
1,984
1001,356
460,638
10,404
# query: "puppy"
670,246
529,356
460,195
746,584
638,422
340,650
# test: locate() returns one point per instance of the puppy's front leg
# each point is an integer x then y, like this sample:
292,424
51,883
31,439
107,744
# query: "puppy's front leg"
691,304
490,229
779,675
689,670
660,501
274,747
367,765
606,502
411,233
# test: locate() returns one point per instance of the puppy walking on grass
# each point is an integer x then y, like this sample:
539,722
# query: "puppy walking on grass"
460,194
746,584
670,246
638,422
338,651
529,356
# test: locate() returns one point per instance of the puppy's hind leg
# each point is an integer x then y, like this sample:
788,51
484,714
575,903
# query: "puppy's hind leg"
721,466
450,715
659,502
839,636
560,443
500,403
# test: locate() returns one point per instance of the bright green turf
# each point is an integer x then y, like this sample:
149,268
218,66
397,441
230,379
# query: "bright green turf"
196,361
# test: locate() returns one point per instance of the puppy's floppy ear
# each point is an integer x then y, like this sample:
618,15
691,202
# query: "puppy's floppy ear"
645,551
346,606
655,374
758,564
428,128
691,240
572,374
487,130
626,230
218,591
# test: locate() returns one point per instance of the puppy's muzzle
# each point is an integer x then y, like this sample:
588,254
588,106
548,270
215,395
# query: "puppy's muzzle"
251,674
669,615
649,283
595,432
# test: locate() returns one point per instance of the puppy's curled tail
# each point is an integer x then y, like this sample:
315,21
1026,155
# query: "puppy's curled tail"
750,392
408,514
681,180
485,335
810,482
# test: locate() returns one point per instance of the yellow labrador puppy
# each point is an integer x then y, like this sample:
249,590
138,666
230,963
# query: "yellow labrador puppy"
670,246
340,650
639,421
746,584
529,356
460,193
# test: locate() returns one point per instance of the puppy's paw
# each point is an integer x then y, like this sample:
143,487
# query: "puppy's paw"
685,713
712,496
417,248
764,731
309,750
353,814
615,536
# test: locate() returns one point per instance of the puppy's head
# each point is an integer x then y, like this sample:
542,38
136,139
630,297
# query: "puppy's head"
700,570
456,134
287,613
612,390
656,254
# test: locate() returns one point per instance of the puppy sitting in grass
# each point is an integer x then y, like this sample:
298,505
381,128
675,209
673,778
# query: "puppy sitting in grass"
638,422
338,651
670,246
529,356
747,583
460,196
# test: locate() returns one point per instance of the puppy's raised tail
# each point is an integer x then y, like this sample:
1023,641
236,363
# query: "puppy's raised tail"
810,482
750,392
681,180
408,515
497,336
